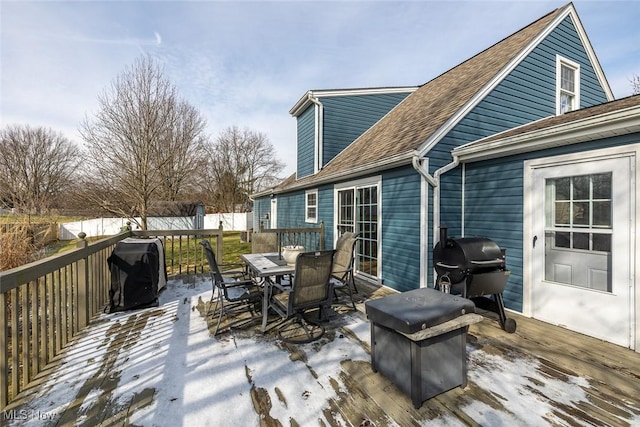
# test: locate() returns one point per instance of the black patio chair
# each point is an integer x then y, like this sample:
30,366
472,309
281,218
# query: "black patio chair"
310,289
234,291
342,279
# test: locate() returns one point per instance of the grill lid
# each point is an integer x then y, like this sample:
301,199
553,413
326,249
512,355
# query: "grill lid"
458,258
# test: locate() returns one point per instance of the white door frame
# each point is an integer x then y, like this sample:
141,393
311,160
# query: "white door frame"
528,226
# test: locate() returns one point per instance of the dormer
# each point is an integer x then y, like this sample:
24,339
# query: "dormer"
329,120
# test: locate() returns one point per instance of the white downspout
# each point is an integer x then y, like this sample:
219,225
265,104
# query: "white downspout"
319,132
434,181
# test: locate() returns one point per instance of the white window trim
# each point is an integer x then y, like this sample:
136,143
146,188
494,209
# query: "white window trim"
571,64
307,218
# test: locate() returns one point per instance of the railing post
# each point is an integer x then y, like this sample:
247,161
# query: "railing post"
321,235
219,242
4,353
83,285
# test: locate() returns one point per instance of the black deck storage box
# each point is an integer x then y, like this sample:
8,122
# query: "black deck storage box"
418,341
138,273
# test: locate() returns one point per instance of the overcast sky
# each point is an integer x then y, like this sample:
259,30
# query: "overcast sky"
247,63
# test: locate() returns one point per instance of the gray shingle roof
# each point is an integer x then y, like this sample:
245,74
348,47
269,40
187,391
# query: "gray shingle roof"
408,126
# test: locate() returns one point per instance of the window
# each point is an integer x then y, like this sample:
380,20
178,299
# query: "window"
578,230
568,86
311,206
580,212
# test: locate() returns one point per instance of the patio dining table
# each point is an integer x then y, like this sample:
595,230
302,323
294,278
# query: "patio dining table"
268,266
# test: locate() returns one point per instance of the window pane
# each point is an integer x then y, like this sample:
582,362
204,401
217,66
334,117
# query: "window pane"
562,213
602,186
602,214
563,188
602,242
581,241
567,77
311,199
581,213
581,187
563,240
311,212
566,103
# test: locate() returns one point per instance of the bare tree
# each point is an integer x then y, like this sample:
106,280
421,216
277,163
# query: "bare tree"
143,144
635,84
241,162
36,166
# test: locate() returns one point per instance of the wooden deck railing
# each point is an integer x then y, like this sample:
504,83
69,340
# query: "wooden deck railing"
312,238
44,304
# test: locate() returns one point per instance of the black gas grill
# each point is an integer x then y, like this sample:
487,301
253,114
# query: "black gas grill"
474,267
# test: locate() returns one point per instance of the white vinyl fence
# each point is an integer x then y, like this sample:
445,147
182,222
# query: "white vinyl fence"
110,226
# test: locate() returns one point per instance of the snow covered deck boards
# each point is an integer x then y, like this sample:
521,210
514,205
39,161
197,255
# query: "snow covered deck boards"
161,367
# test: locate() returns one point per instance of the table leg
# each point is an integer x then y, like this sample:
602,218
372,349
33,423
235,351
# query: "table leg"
266,297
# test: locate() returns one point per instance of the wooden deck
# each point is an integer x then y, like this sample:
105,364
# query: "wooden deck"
509,375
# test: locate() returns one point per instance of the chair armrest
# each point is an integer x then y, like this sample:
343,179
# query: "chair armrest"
346,270
239,283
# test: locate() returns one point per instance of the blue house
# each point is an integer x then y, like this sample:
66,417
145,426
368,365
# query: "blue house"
475,149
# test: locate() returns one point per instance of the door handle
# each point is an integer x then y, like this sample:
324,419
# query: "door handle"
535,238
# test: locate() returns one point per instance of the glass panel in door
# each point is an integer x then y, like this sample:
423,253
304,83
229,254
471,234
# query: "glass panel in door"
578,231
358,212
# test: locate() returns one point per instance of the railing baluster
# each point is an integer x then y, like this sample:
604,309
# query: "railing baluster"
35,330
63,305
14,363
50,317
70,306
42,321
4,351
24,334
57,325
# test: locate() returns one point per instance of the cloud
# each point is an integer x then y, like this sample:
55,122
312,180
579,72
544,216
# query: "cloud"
247,63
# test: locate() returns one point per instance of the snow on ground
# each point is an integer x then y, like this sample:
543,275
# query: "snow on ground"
203,381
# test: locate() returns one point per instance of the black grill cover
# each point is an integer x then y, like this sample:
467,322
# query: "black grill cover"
136,266
415,310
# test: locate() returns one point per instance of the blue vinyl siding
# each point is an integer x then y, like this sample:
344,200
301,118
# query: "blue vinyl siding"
494,204
325,213
401,229
291,211
348,117
261,207
527,94
306,142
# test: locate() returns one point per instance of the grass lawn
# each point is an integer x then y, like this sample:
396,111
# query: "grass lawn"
187,253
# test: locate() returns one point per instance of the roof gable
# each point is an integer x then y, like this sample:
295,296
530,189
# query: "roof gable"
415,123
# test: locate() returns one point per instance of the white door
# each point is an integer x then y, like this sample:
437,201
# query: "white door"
274,213
581,239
